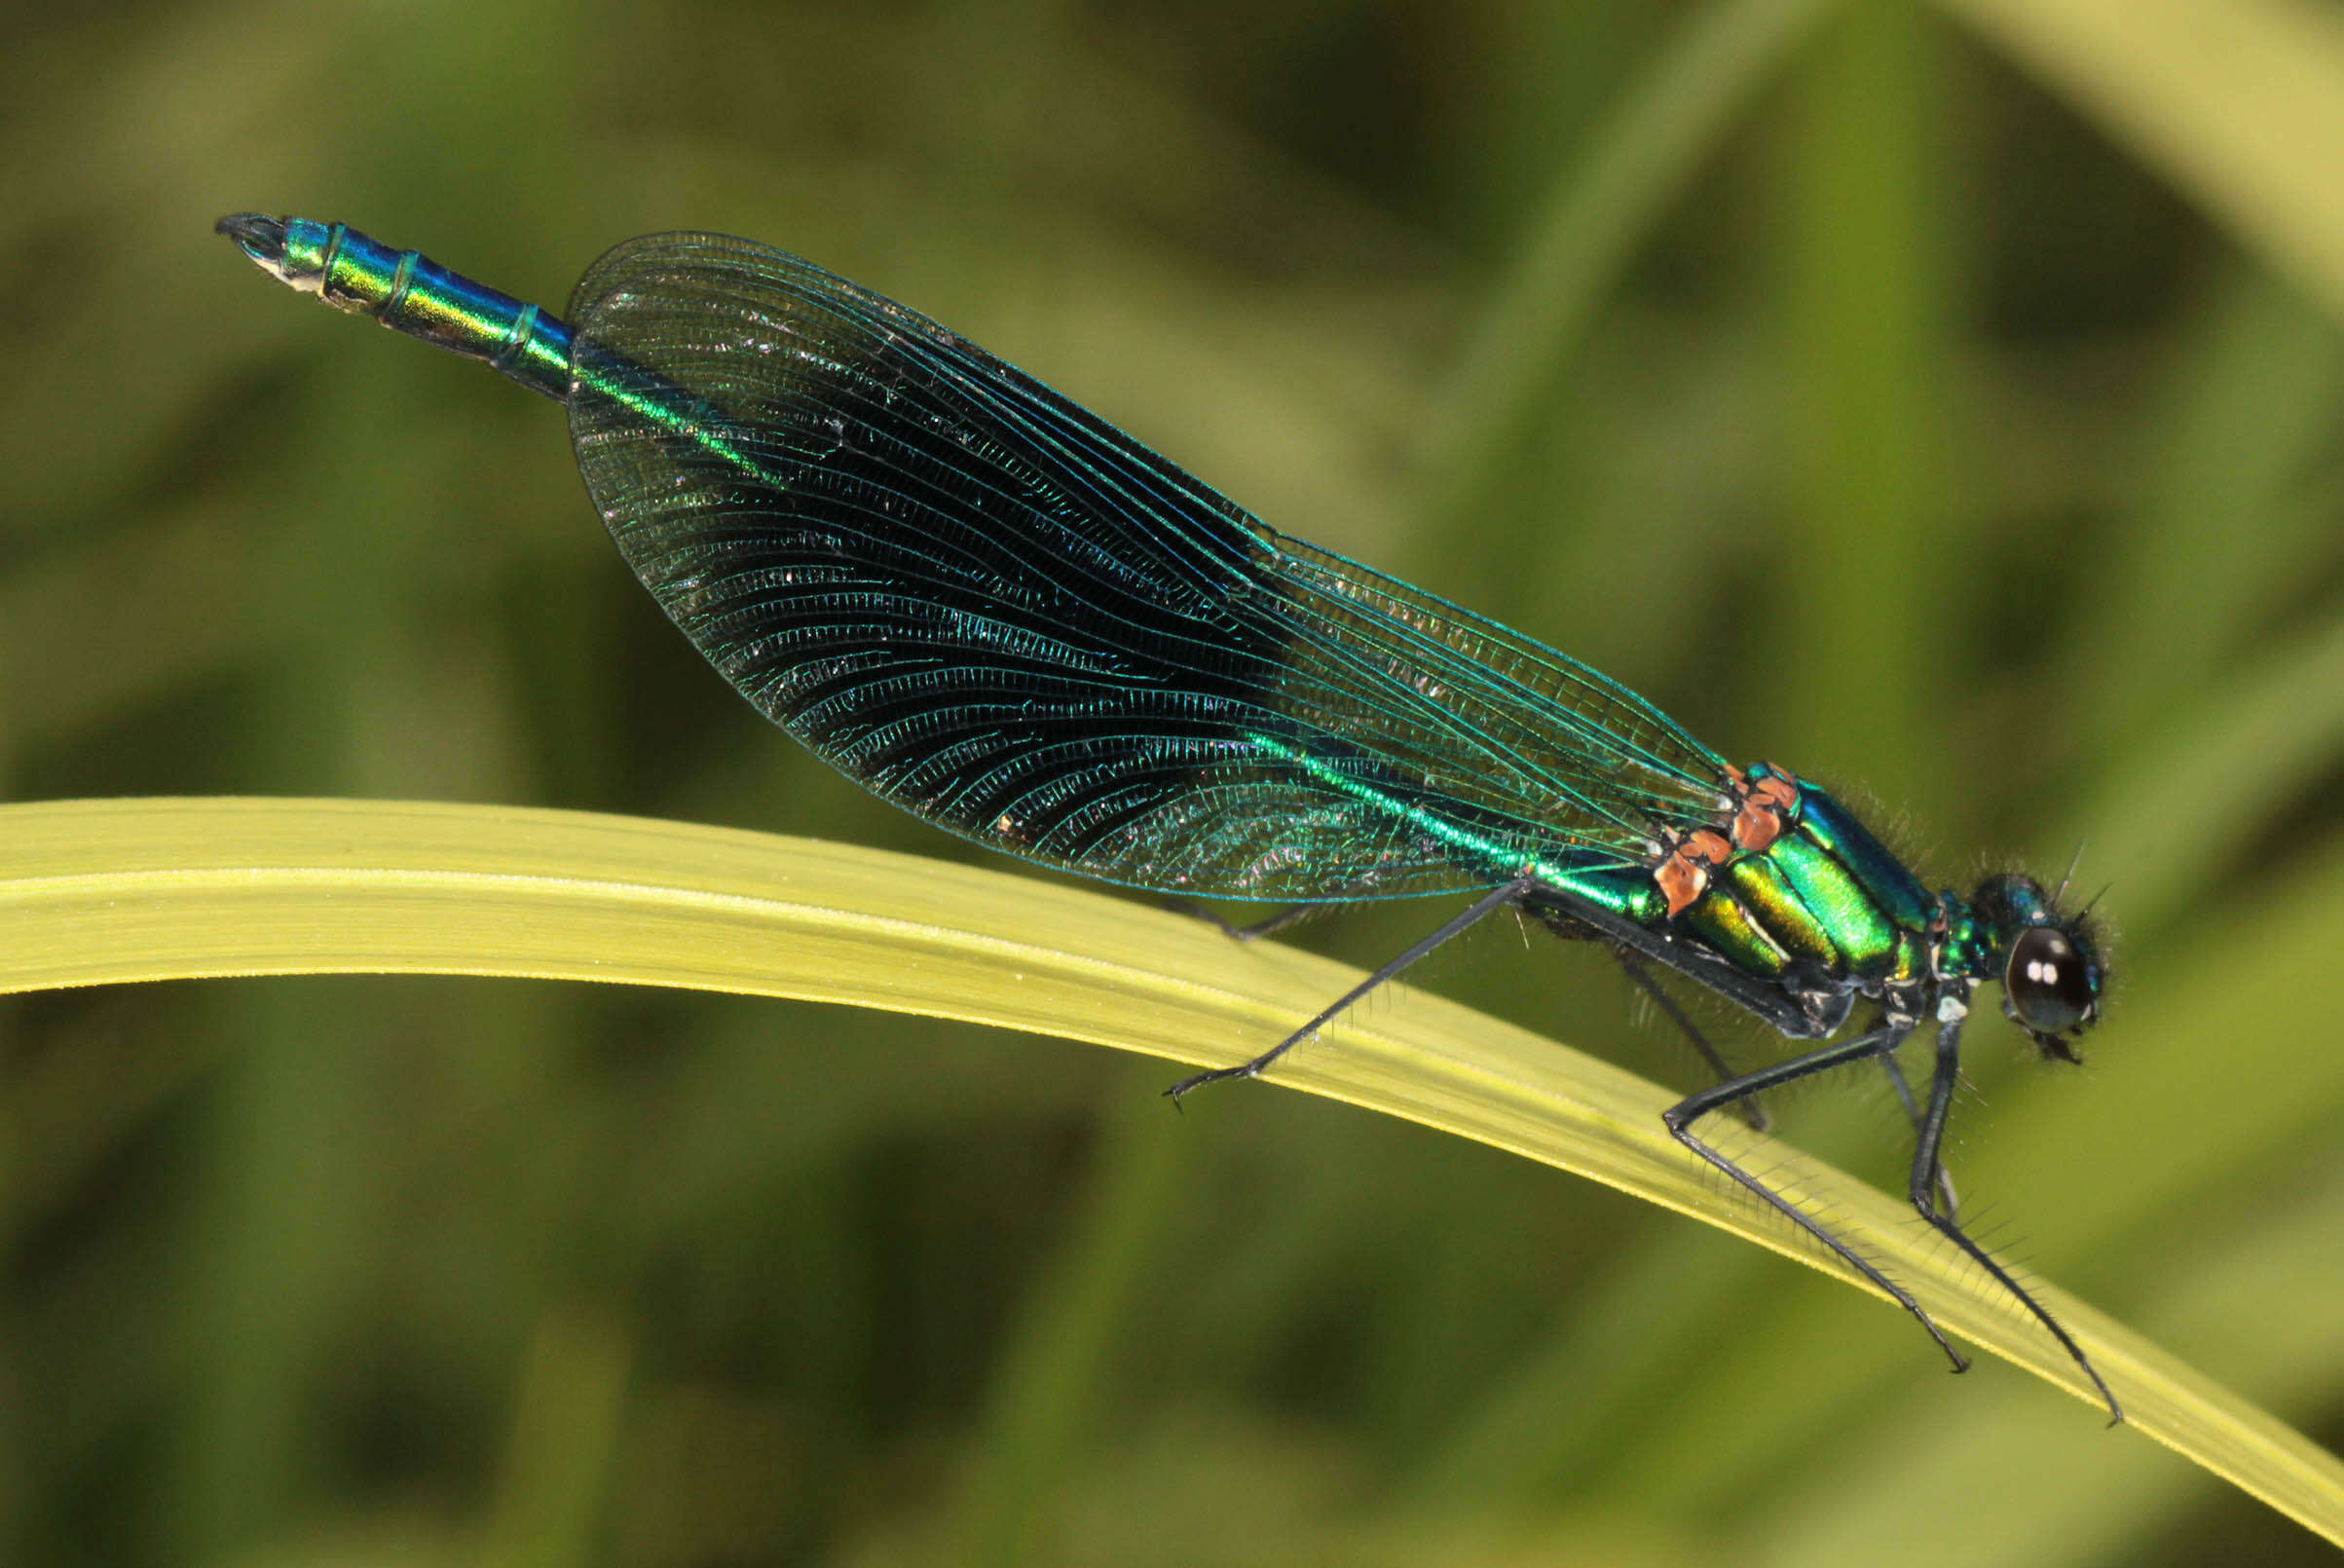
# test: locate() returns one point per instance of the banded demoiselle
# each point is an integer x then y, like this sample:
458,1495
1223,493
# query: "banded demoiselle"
994,609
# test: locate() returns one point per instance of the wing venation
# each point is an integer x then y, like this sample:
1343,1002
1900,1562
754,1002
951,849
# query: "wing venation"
999,612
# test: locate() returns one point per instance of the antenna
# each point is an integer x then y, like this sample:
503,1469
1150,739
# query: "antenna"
2071,876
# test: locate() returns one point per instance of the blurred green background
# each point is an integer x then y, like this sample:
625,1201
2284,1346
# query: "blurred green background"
1942,402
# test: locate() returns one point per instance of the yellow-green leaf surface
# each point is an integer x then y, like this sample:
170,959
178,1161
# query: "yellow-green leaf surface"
101,892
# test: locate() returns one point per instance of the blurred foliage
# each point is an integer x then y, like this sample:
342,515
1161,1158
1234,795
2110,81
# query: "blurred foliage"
1945,399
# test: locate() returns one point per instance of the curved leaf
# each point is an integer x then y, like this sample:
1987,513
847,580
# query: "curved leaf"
96,892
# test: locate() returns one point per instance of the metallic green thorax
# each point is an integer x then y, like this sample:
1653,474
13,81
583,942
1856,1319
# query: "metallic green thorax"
1825,901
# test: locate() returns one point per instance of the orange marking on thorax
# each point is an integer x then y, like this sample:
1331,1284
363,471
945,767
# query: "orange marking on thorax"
1760,809
1685,875
1765,806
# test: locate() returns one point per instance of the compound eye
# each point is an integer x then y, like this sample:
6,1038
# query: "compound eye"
2050,982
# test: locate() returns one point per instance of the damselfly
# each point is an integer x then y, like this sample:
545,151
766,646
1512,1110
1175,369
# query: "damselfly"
998,612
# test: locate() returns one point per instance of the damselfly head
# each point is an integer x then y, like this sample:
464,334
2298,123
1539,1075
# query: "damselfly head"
2051,970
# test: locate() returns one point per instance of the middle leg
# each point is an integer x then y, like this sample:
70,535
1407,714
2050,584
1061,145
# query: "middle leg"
1681,1116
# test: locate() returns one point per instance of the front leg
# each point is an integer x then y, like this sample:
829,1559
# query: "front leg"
1928,1170
1913,1116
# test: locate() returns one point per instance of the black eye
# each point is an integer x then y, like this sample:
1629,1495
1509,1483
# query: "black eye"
2049,983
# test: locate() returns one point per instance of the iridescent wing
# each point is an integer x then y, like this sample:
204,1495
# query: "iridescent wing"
995,610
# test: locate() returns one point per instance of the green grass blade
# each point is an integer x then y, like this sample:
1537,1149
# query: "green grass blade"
2238,102
1592,222
111,891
